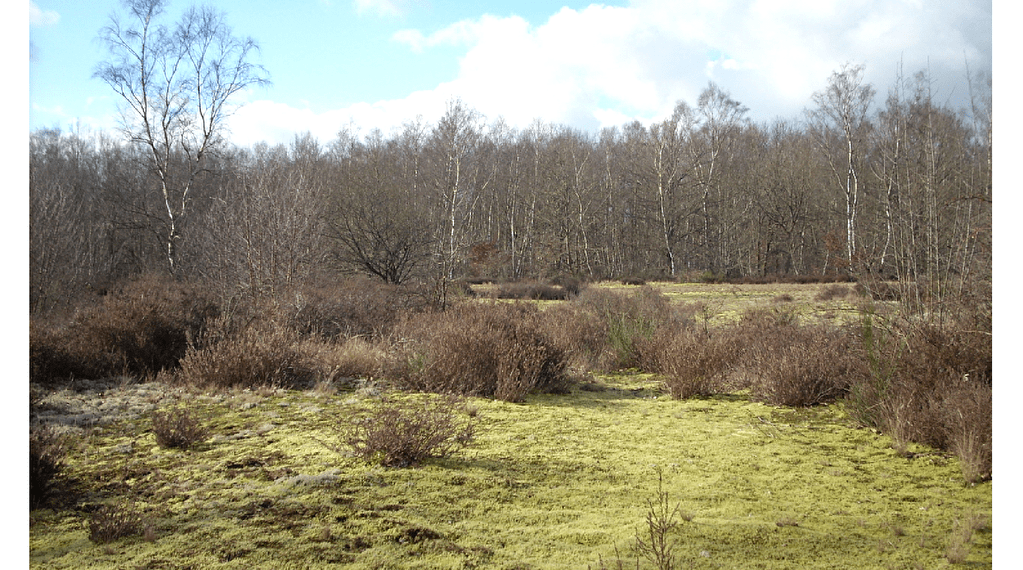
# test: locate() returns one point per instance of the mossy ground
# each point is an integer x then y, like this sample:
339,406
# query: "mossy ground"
559,481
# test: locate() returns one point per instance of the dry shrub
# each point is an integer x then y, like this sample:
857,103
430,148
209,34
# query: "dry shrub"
693,363
178,428
832,292
260,354
111,522
961,538
930,381
531,290
141,328
402,433
967,419
580,334
789,364
349,308
47,450
632,319
344,359
479,349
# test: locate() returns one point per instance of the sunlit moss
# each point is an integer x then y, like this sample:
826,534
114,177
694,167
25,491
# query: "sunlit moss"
555,482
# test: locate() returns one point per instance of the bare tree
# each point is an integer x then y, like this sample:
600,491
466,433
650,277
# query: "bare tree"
839,123
176,85
373,217
718,119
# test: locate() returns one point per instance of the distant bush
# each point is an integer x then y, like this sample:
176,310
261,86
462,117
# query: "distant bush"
831,292
349,308
140,328
693,363
404,432
570,284
633,281
479,349
47,451
531,290
793,364
178,428
632,318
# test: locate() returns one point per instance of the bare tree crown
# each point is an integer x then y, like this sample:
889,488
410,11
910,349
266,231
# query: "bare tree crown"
176,84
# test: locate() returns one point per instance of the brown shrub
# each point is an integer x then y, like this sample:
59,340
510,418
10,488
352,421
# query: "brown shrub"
580,334
141,328
832,292
402,433
531,290
178,428
344,359
111,522
930,380
790,364
967,419
47,451
693,363
630,319
260,354
349,308
479,349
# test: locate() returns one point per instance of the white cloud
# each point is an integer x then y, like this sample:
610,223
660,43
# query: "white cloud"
384,7
602,65
40,17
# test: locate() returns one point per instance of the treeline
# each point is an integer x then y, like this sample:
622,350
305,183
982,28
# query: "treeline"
900,190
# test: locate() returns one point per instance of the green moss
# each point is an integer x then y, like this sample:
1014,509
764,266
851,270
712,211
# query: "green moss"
556,482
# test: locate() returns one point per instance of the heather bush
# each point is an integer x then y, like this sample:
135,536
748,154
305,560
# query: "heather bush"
346,359
531,290
178,428
140,328
47,451
262,353
111,522
929,380
479,349
792,364
350,308
404,432
832,292
632,318
692,362
967,419
580,334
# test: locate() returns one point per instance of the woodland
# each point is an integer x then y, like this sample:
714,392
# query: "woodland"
897,191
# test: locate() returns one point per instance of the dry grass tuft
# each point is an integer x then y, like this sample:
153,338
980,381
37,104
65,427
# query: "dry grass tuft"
403,433
111,522
178,428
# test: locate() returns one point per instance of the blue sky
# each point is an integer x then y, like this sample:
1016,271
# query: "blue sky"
379,63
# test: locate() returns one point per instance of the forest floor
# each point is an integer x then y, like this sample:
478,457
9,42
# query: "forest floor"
558,481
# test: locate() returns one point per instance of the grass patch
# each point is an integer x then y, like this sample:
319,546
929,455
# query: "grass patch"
558,481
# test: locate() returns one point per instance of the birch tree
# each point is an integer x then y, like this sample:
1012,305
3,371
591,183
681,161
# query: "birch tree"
839,124
175,85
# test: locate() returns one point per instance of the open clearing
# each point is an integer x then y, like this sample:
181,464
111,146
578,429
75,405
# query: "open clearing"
556,482
559,481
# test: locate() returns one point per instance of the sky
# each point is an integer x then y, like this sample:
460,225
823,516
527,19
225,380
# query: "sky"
369,64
